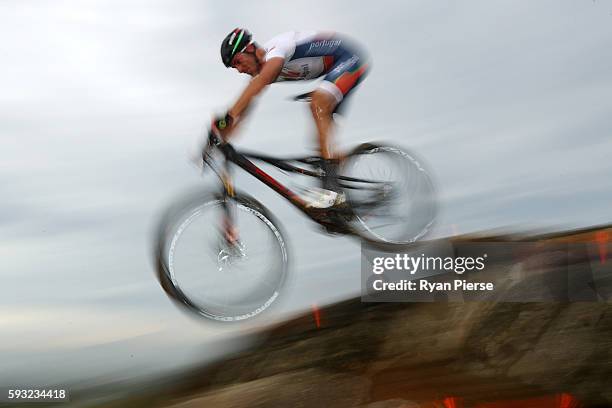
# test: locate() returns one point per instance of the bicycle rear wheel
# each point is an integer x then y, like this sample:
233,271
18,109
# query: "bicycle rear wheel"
391,194
198,269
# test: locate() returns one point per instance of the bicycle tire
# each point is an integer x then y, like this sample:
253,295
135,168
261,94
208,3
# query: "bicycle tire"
420,200
178,219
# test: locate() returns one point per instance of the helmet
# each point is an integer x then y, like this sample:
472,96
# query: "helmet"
235,42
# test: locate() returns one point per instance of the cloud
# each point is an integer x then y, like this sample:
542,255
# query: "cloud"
507,102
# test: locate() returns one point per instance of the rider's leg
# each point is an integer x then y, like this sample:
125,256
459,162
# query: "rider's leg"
343,77
322,107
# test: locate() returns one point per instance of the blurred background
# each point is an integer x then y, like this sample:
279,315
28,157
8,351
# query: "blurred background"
103,102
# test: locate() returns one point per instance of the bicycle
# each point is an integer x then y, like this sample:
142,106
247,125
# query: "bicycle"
388,207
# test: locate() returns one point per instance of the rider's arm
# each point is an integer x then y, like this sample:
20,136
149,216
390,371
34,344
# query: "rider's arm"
269,72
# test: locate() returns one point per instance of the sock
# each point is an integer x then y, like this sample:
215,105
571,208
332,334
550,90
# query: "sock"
330,179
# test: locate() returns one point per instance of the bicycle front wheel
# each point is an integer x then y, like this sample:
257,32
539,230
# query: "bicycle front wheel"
391,195
216,280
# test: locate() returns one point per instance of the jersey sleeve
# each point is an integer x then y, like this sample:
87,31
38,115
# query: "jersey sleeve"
279,47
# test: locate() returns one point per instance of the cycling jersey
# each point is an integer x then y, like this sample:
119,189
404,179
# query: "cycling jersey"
311,54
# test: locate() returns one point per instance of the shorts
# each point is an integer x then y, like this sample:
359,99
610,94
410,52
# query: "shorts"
348,70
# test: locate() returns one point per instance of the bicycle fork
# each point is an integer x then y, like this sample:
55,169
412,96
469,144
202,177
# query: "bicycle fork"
230,231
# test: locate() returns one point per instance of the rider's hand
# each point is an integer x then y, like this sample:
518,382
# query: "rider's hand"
223,125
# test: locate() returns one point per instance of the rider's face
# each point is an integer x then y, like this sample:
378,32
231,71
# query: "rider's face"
245,64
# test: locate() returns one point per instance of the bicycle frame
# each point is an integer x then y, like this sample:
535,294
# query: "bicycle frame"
243,160
324,216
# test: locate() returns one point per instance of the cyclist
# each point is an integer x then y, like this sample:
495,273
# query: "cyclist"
294,56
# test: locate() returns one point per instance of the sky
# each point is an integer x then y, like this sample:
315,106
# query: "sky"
103,102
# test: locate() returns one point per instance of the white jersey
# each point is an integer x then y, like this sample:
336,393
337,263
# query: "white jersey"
307,54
